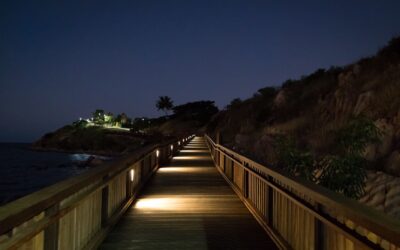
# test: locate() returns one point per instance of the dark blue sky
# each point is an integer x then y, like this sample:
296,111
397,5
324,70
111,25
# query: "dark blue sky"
59,62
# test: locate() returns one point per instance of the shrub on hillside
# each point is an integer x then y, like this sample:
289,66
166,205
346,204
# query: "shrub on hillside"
294,161
343,172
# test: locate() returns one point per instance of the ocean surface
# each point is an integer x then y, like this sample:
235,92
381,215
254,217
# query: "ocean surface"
23,171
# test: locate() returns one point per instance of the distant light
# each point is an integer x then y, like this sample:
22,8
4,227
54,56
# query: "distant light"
179,143
172,147
132,174
157,153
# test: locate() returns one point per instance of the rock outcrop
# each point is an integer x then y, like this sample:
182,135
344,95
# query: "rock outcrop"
382,192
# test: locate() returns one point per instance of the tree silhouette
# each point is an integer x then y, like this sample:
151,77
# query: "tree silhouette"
200,111
164,103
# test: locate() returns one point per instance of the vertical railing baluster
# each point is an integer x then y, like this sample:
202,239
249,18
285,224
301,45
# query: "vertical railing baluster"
128,185
104,204
270,205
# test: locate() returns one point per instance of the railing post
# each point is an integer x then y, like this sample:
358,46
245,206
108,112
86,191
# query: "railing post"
231,169
164,155
218,138
128,185
224,163
51,232
318,231
245,183
159,158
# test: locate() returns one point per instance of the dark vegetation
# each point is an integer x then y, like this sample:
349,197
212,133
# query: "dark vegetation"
344,169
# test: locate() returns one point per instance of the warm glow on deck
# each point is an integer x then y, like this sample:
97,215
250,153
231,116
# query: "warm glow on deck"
192,158
185,158
164,203
194,151
183,203
181,169
156,203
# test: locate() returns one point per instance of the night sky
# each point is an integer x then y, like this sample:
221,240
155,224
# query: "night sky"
59,62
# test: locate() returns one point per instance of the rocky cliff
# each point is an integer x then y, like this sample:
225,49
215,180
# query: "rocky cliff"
312,109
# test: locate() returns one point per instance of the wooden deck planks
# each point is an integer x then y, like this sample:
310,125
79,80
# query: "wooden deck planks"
188,205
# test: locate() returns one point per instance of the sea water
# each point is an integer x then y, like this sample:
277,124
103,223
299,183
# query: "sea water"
23,171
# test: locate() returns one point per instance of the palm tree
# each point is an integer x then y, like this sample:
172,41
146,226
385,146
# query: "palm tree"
164,103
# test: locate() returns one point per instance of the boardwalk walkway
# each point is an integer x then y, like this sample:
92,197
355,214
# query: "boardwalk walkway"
188,205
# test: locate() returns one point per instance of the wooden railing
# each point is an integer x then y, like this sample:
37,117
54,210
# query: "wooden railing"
301,215
78,213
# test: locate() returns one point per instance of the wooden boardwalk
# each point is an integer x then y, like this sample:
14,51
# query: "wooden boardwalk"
188,205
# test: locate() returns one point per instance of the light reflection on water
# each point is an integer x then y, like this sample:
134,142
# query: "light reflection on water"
79,157
85,157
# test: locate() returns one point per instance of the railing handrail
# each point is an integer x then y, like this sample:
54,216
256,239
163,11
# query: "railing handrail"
16,212
373,220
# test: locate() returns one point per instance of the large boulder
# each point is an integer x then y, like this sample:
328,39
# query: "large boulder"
280,98
392,165
382,192
264,149
387,135
384,147
243,141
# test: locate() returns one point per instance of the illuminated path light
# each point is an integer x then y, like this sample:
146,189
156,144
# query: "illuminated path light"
132,174
188,205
